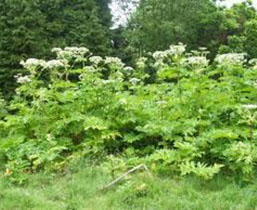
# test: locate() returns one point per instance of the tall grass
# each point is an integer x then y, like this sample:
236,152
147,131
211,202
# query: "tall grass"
79,190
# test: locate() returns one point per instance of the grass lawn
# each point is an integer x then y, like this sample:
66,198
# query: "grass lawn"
79,189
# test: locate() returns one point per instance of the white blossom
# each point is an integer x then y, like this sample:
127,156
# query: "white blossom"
53,64
230,59
117,75
160,64
33,63
254,63
134,81
90,69
96,60
22,79
56,49
65,54
197,61
177,49
70,52
128,69
202,48
159,55
77,50
114,61
141,62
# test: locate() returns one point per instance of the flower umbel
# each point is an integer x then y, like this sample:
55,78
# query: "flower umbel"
230,59
96,60
22,79
33,63
114,61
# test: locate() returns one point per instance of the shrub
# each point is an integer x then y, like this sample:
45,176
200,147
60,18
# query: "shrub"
192,118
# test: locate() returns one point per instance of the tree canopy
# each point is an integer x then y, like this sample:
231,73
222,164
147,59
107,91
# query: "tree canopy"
31,28
159,23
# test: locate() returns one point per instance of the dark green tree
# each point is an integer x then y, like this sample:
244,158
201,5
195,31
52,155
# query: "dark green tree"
159,23
105,13
81,24
31,28
22,34
240,30
197,23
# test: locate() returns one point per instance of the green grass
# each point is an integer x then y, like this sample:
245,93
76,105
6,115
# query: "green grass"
79,189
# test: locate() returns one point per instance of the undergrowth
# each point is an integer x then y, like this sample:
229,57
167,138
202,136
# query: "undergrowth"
174,112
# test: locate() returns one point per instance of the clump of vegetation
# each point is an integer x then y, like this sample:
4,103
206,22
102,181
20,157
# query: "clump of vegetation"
184,116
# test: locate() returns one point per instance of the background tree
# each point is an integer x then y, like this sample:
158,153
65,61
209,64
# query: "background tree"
240,30
198,23
157,24
22,34
31,28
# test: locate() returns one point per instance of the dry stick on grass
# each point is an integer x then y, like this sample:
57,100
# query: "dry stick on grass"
141,166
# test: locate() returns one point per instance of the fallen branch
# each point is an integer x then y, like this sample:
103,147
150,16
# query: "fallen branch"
141,166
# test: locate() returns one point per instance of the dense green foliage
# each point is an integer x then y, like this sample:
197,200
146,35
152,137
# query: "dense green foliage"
176,111
240,30
32,28
158,23
189,118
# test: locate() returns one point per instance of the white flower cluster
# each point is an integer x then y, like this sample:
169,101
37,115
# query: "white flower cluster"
175,50
32,63
70,52
114,61
197,61
253,62
62,54
22,79
90,69
96,60
134,81
117,75
128,69
77,50
53,64
230,59
141,62
159,55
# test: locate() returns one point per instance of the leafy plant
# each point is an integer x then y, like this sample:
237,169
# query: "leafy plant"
192,117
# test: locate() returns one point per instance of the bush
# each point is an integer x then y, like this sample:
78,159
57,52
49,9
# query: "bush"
191,118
